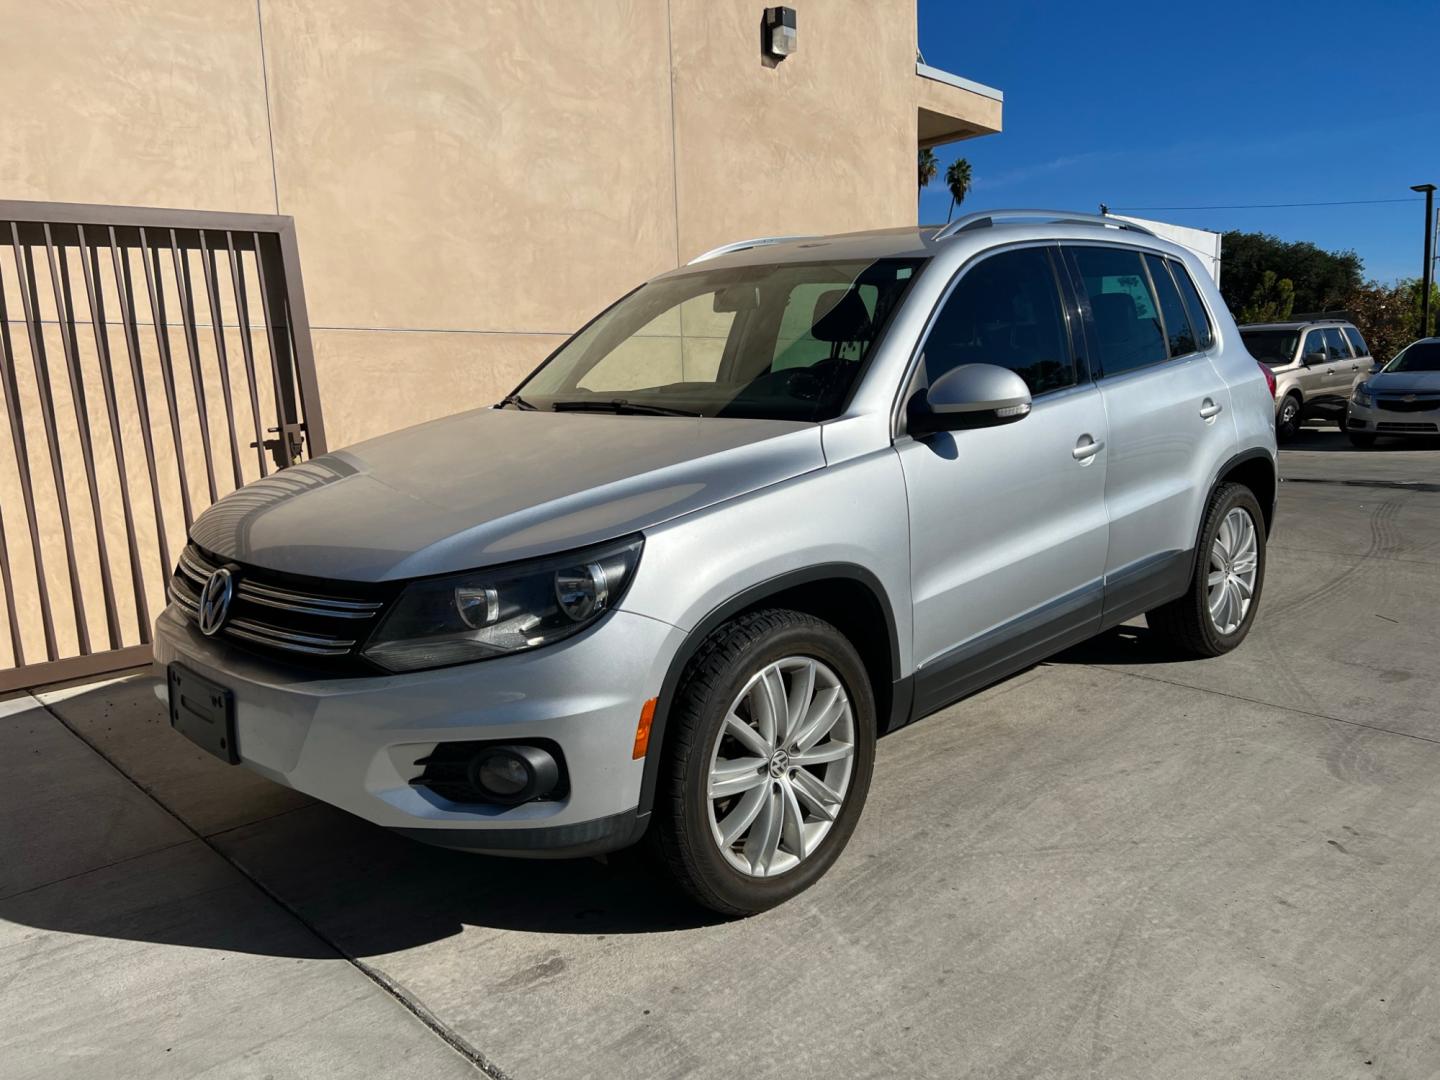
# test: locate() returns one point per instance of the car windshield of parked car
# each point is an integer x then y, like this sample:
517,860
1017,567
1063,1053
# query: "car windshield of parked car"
1421,356
776,341
1273,347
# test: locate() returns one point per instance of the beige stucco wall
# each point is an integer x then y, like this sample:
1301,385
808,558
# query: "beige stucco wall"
481,175
470,179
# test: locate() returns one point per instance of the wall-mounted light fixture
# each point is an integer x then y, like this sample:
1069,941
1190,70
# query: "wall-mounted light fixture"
781,38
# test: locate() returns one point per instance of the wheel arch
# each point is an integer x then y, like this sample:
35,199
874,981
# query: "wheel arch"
1254,469
846,595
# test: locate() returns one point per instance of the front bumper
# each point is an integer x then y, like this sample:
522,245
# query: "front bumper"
1392,421
353,742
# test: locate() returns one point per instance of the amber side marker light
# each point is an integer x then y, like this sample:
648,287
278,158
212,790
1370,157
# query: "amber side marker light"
642,729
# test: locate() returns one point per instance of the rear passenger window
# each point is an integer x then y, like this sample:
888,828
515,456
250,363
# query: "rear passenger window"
1191,296
1005,311
1356,341
1177,323
1336,345
1124,312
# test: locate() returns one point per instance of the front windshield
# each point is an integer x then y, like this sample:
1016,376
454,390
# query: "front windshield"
1421,356
780,341
1274,348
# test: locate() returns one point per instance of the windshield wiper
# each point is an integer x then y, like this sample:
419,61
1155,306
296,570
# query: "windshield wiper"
519,403
620,405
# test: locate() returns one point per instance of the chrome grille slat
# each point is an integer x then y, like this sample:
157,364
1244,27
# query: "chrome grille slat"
314,613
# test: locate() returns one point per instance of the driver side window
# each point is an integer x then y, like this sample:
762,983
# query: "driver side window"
1314,350
1006,311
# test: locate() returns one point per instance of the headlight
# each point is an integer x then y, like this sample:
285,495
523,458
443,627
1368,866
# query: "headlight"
483,613
1361,395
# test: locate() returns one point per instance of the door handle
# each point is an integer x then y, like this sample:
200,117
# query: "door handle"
1087,448
1210,409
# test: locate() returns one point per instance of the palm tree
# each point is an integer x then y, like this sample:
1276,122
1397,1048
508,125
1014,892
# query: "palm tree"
928,166
957,179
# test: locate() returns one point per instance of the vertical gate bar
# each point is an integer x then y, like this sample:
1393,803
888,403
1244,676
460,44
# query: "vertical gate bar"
299,320
207,262
242,308
126,297
69,345
22,463
167,371
192,349
90,264
25,272
12,603
284,388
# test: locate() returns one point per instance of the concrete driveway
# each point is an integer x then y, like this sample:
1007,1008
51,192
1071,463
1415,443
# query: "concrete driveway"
1112,865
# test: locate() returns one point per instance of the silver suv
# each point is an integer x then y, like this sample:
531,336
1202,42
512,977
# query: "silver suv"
1315,363
796,494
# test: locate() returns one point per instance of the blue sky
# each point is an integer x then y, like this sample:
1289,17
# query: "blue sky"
1223,103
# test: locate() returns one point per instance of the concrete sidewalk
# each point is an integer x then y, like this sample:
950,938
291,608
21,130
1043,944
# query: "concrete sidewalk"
1112,865
130,948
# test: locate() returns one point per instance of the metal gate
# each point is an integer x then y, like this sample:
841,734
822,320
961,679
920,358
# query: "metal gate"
150,362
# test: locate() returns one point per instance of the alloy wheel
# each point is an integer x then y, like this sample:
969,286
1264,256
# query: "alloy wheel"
1234,565
781,766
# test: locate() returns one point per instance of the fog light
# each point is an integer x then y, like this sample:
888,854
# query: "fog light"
514,774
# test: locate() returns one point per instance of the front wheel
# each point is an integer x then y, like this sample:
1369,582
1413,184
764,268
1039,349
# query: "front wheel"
1216,612
767,761
1287,420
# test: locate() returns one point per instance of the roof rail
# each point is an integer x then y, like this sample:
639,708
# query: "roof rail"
742,245
983,219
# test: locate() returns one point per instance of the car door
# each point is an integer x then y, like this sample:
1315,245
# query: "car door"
1007,523
1343,366
1315,373
1167,408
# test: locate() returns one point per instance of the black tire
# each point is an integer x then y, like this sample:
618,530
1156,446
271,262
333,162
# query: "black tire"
681,835
1287,417
1185,623
1364,440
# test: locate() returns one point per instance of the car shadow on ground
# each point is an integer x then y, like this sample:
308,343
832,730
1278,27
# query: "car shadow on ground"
1325,437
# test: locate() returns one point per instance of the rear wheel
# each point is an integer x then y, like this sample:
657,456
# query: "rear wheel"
1363,439
1287,420
768,761
1216,612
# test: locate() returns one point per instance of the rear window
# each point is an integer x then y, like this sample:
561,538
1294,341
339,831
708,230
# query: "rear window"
1177,323
1273,347
1124,313
1199,321
1356,341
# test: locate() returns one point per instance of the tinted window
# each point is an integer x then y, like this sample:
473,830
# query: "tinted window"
1273,347
1336,345
1177,323
1357,342
1005,311
1421,356
771,340
1126,324
1315,351
1191,296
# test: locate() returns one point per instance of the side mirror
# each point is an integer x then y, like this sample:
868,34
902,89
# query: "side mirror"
1310,359
969,396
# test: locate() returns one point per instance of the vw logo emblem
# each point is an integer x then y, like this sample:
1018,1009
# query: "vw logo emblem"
215,601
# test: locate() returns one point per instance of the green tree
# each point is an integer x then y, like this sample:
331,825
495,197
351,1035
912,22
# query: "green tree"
1415,289
928,167
1272,301
1321,279
957,179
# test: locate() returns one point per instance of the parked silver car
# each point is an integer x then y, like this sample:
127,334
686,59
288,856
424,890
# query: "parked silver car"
1314,362
1402,398
798,493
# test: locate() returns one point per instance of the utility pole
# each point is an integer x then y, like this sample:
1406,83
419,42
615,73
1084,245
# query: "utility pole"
1428,276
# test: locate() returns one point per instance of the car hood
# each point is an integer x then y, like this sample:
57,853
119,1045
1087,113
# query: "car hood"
1404,382
492,486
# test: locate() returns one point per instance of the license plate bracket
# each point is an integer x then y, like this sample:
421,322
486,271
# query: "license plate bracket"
204,712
